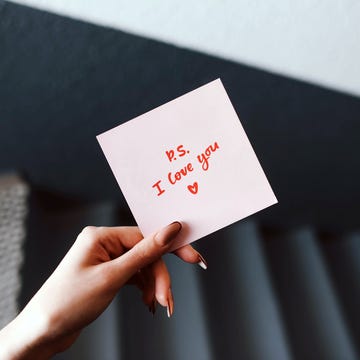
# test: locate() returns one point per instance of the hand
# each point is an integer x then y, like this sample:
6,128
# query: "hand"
100,262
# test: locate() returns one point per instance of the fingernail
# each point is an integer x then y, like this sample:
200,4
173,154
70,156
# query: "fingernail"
170,304
202,262
154,306
168,233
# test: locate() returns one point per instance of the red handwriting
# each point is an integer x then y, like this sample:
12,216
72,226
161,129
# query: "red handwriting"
193,188
158,188
203,158
180,152
173,178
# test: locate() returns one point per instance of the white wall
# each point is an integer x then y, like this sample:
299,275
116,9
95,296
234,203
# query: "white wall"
313,40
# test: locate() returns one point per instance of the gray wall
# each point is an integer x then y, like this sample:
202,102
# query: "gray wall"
316,41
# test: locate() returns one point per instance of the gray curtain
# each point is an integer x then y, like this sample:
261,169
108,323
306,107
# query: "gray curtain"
13,206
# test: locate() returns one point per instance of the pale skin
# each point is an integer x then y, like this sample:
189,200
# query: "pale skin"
101,261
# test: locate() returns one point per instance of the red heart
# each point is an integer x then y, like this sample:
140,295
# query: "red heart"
193,188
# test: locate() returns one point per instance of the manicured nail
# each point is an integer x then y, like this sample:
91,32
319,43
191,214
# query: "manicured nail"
170,304
202,262
154,306
168,233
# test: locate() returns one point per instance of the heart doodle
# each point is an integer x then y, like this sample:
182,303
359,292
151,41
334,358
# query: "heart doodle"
193,188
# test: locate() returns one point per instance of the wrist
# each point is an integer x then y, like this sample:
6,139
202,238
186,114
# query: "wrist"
25,338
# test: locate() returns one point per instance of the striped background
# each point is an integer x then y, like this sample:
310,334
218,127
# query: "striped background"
291,70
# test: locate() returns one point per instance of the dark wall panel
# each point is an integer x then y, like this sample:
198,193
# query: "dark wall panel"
63,81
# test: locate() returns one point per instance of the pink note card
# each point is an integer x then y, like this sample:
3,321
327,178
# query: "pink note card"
188,160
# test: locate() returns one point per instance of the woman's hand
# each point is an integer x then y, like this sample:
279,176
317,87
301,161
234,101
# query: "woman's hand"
100,262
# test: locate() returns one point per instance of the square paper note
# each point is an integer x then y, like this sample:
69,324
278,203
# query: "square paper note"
188,160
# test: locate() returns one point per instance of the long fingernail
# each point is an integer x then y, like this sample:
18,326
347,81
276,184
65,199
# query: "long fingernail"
154,306
202,262
168,309
168,233
170,304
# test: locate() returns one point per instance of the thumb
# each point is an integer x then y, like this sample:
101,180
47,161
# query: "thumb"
145,251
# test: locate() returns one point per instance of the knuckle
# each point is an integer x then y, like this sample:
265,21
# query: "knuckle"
88,233
89,229
101,228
